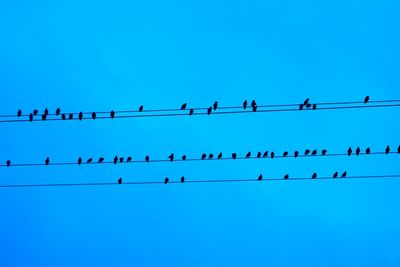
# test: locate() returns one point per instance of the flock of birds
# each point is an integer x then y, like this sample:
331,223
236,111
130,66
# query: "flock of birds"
253,105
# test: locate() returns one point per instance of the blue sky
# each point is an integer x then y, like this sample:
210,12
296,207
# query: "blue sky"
101,55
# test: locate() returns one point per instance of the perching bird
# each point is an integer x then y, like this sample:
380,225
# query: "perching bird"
286,176
260,177
101,160
129,159
234,155
112,114
387,150
79,161
35,112
296,154
31,117
272,155
306,102
245,104
58,111
19,113
308,105
71,116
47,161
398,150
89,161
220,155
63,117
368,151
121,159
80,116
265,154
191,112
8,163
324,152
44,117
358,150
46,112
184,157
366,99
209,110
120,180
335,175
314,152
253,103
248,155
307,152
147,158
211,156
344,175
141,108
259,155
182,179
314,175
183,107
285,154
349,151
254,108
166,180
314,107
171,157
115,159
301,106
215,106
94,115
203,157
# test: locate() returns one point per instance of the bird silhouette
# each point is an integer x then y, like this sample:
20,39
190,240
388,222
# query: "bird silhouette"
166,180
306,102
203,157
314,175
296,154
344,175
398,150
171,157
387,150
147,158
129,159
101,160
248,155
71,116
47,161
358,150
184,157
94,115
315,152
63,117
308,106
19,113
79,161
80,116
245,104
314,107
58,111
46,112
8,163
141,108
220,155
301,106
368,151
265,154
112,114
349,151
254,108
253,103
324,152
272,155
183,107
215,106
44,117
35,112
286,176
260,177
259,155
234,155
120,181
211,156
89,161
191,112
285,154
31,117
115,159
366,99
121,159
182,179
335,175
209,110
307,152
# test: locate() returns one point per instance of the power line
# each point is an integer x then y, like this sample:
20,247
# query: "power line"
197,181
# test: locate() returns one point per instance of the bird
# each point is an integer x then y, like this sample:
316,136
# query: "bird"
260,177
121,159
119,181
35,112
141,108
248,155
349,151
209,110
265,154
47,161
58,111
259,155
306,102
8,162
211,156
19,113
147,158
272,155
166,180
31,117
314,107
324,152
344,174
234,155
80,116
245,104
184,105
44,117
63,117
296,154
182,179
335,175
101,160
387,150
308,106
203,157
171,157
307,152
398,150
301,106
366,99
368,151
314,152
46,112
115,159
184,157
358,150
79,161
285,154
286,176
219,155
112,114
191,112
94,115
129,159
89,161
215,106
253,103
254,108
314,175
71,116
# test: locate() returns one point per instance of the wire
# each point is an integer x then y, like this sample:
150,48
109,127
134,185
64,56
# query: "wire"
191,159
197,181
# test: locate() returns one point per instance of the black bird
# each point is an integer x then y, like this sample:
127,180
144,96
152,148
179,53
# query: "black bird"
265,154
63,117
245,104
166,180
183,107
120,180
47,161
141,108
285,154
80,116
335,175
234,155
79,161
253,103
31,117
260,177
94,115
314,107
366,99
314,152
19,113
211,156
387,150
296,154
314,175
184,157
129,159
203,157
191,112
349,151
368,151
71,116
272,155
259,155
89,161
115,159
182,179
344,175
324,152
121,159
398,150
171,157
58,111
46,112
101,160
307,152
308,106
301,107
112,114
209,110
286,176
358,150
306,102
8,163
35,112
220,155
147,158
44,117
215,106
248,155
254,108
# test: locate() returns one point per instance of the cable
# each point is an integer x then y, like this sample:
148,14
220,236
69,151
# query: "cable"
192,159
197,181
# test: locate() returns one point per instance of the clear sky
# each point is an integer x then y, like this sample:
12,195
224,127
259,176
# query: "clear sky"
98,55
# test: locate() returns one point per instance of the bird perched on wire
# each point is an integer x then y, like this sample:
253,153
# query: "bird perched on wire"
44,117
324,151
307,152
8,163
191,112
35,112
260,177
215,106
115,159
94,115
314,176
171,157
234,155
245,104
335,175
349,151
71,116
259,155
204,156
285,154
184,105
63,117
119,181
129,159
366,99
79,161
47,161
253,103
31,117
265,155
296,154
121,159
219,155
90,160
314,153
166,180
46,112
80,116
308,106
58,111
272,155
286,176
368,151
358,150
306,102
211,156
19,113
209,110
301,106
141,108
248,155
254,108
398,150
314,107
344,174
387,150
184,157
101,160
147,158
182,179
112,114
